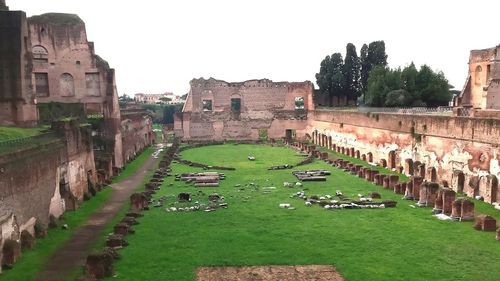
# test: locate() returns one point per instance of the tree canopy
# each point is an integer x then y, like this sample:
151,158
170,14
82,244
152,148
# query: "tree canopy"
346,79
407,87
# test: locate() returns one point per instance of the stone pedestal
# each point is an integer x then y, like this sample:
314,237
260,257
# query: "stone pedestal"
428,194
372,177
416,182
393,180
485,223
11,252
385,181
99,265
467,210
456,209
404,186
361,174
397,188
448,198
438,207
377,179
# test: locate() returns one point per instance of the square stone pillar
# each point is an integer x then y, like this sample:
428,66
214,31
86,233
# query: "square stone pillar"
448,198
417,182
428,194
467,210
372,177
386,182
393,180
456,209
438,207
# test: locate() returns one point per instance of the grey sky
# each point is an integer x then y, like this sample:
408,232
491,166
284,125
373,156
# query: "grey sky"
158,46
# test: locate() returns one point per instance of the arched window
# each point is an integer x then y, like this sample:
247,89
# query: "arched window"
477,75
66,85
40,51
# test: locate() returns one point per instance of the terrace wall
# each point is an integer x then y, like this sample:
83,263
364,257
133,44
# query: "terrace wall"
449,147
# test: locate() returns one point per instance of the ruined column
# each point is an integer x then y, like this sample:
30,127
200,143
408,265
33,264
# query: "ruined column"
386,182
448,198
456,209
417,182
397,188
368,173
488,186
421,170
352,152
409,170
428,194
467,210
377,179
372,176
383,163
393,180
485,223
404,186
438,207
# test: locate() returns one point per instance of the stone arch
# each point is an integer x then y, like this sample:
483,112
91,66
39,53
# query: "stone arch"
39,52
392,159
66,85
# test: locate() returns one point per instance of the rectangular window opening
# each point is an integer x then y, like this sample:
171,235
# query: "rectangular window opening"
299,103
207,105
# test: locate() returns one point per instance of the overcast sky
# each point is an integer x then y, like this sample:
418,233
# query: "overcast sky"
159,46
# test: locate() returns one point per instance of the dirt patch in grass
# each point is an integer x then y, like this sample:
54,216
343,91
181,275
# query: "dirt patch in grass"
269,273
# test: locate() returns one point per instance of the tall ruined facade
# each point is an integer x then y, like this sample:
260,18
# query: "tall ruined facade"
482,86
218,110
66,70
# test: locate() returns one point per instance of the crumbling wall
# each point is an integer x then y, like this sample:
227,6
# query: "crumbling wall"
262,102
450,145
28,180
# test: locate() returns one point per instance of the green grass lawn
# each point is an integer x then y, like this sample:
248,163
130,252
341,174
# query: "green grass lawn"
32,261
401,243
7,133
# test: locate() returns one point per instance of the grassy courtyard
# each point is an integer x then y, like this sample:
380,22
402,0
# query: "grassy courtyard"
401,243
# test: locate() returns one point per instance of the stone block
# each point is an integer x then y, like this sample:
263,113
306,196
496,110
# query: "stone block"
428,194
116,241
27,240
123,229
393,180
467,210
456,209
386,182
11,252
416,183
448,198
99,265
485,223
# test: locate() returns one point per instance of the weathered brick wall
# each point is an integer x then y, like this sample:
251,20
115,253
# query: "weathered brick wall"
262,103
450,145
29,179
137,133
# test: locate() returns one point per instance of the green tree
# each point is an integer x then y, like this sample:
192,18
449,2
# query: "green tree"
351,73
376,53
324,78
338,80
365,68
